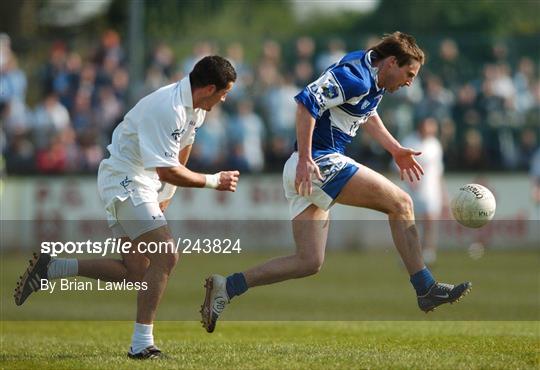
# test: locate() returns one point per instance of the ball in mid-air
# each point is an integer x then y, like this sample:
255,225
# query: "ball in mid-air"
474,205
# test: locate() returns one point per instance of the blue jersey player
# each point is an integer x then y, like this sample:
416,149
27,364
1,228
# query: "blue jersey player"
318,174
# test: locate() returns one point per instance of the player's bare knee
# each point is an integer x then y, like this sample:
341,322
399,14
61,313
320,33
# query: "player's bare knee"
402,206
310,265
136,272
312,269
167,261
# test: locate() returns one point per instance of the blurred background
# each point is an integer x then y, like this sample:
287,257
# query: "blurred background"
70,70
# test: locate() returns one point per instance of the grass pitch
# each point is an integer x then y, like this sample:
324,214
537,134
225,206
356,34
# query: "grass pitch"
359,312
277,345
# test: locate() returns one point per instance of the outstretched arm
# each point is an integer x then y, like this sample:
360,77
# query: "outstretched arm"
404,157
182,176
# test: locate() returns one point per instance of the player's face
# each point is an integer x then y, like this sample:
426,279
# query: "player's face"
397,77
218,96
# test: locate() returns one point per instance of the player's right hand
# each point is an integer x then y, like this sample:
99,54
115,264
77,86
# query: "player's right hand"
228,180
304,170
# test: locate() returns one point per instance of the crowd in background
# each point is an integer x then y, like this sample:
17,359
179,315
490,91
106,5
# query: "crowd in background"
488,113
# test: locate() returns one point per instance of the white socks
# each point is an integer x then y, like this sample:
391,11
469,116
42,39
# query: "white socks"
142,337
66,267
63,267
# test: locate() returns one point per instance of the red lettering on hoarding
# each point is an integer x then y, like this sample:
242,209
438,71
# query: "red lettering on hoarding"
42,192
221,197
71,194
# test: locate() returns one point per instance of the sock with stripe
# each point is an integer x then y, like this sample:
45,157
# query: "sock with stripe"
62,267
422,281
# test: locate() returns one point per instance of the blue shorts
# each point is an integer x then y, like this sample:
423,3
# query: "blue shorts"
336,170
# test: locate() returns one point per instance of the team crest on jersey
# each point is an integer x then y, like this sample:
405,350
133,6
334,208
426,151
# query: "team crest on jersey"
125,184
329,90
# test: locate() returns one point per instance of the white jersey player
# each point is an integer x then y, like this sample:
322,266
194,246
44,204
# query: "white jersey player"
148,154
429,194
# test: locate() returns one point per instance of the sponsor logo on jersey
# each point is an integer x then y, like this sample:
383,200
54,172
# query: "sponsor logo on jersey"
177,134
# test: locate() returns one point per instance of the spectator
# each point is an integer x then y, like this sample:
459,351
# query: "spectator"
490,122
200,50
247,133
244,72
534,174
335,51
20,155
523,80
211,141
50,118
304,71
474,156
13,85
82,115
280,109
91,153
437,101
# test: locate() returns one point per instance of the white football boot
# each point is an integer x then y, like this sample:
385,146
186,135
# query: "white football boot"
215,300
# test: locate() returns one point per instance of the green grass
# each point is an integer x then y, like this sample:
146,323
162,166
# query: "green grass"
351,286
277,345
359,312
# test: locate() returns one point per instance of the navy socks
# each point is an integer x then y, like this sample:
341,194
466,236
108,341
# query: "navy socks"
236,284
422,281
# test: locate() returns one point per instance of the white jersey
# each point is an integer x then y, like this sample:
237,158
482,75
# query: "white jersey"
427,193
151,135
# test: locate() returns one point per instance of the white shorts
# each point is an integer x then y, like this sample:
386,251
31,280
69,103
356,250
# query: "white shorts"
131,201
336,170
133,221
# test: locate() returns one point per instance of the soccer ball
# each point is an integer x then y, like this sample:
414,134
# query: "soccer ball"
474,205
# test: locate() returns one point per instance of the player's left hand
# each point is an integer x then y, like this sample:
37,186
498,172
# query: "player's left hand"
406,162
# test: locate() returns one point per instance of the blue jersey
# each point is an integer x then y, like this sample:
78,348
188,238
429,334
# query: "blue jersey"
342,99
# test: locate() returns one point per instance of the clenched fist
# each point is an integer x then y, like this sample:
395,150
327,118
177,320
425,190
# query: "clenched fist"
228,180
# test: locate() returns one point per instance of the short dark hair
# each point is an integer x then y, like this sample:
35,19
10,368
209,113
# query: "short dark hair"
212,70
401,46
